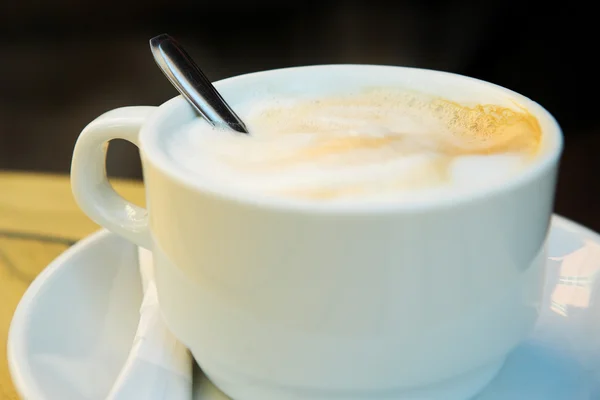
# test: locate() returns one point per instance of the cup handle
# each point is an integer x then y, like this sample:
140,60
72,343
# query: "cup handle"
89,182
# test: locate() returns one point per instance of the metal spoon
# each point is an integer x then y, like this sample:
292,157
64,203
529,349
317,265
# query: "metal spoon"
189,80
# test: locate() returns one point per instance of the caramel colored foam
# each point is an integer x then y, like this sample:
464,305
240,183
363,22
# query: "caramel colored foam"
462,130
379,140
487,129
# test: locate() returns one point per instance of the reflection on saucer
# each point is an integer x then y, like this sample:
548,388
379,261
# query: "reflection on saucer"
577,273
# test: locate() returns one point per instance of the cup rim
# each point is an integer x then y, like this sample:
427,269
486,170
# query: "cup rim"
159,159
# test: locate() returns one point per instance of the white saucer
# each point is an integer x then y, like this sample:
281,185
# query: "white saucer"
74,326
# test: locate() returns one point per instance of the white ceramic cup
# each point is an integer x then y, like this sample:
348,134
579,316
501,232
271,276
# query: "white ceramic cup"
281,299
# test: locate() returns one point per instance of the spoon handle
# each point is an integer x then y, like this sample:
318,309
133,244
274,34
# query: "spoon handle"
189,80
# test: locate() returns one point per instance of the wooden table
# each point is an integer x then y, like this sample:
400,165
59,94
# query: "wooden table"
38,220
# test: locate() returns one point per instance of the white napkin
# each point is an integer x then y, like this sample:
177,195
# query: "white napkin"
158,367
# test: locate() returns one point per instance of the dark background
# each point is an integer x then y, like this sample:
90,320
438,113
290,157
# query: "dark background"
64,62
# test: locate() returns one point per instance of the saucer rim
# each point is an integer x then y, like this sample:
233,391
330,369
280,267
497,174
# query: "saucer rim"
16,347
22,378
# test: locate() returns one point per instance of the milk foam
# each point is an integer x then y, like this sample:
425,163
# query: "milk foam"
374,144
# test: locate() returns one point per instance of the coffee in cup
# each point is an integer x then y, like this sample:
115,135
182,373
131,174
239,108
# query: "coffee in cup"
370,144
